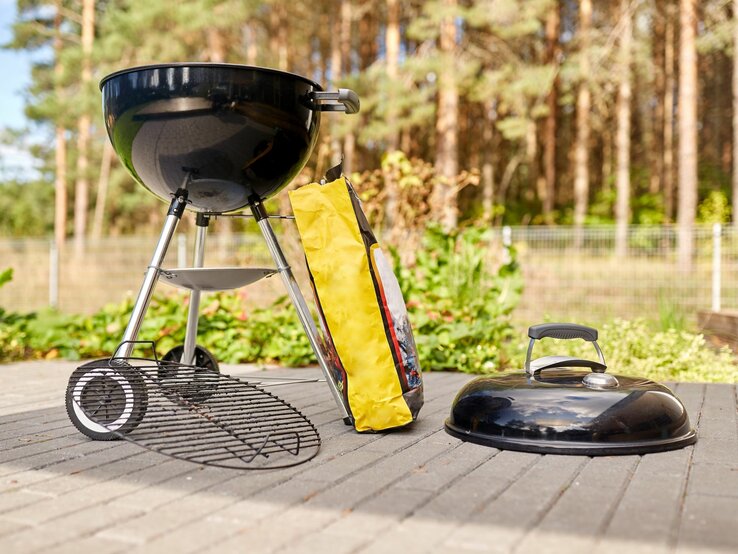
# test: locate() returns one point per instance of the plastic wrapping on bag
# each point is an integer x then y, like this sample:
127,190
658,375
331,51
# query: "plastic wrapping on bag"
368,334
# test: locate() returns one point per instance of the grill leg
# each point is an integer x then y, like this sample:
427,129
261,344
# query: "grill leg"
176,209
298,301
188,355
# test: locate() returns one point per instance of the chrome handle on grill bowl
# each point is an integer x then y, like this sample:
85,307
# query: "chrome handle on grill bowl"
341,100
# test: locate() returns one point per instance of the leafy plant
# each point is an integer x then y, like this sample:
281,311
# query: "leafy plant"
459,298
13,328
714,209
671,316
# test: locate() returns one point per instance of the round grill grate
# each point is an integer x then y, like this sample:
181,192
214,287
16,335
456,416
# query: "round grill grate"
190,413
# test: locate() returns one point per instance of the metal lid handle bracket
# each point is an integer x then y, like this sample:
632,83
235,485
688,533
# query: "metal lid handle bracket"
341,100
565,331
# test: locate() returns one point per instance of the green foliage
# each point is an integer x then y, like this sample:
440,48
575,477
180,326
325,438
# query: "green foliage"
6,276
459,301
234,335
225,328
13,328
458,304
671,316
633,348
25,209
714,209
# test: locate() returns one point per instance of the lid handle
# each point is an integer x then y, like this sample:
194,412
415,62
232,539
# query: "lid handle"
564,331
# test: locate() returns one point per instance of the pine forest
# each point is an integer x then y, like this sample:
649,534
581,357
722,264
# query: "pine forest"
552,112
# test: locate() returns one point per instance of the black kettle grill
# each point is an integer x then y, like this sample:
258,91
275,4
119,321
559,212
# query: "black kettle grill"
553,407
211,138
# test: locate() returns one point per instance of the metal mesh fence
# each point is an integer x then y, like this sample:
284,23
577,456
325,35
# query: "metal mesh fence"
109,269
582,278
566,276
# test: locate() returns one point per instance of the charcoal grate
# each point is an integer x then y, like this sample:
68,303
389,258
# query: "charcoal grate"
190,413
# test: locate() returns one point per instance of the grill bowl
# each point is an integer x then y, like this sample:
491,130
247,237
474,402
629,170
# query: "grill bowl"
229,134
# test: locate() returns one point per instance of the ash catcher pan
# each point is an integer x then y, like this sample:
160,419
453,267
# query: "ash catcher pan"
553,407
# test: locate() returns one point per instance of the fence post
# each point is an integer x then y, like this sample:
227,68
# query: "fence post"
717,231
53,275
181,250
506,243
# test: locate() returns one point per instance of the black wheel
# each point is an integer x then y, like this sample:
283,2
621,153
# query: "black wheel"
104,402
195,386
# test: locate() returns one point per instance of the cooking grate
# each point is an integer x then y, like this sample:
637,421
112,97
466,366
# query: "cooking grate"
191,413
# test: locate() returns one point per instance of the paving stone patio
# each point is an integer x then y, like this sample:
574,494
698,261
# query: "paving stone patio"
415,490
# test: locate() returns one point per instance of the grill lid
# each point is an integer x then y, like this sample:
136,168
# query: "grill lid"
553,408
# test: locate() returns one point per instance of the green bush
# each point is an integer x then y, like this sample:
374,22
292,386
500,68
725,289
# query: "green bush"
13,329
270,334
459,301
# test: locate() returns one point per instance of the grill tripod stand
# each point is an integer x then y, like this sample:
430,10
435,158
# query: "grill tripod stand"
199,278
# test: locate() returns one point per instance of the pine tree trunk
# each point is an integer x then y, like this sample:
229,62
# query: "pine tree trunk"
687,206
622,140
607,161
553,51
488,166
392,41
735,111
656,180
367,38
216,45
584,105
349,139
335,77
60,187
102,190
278,36
532,155
82,185
250,39
668,165
60,152
447,162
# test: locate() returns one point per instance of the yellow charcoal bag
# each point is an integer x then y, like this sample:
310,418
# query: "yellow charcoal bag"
368,335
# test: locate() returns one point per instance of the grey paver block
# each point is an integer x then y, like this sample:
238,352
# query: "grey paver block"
412,536
715,451
715,479
475,489
7,527
451,465
15,500
144,527
68,528
342,464
180,480
574,522
111,464
651,502
502,523
91,545
51,457
709,522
